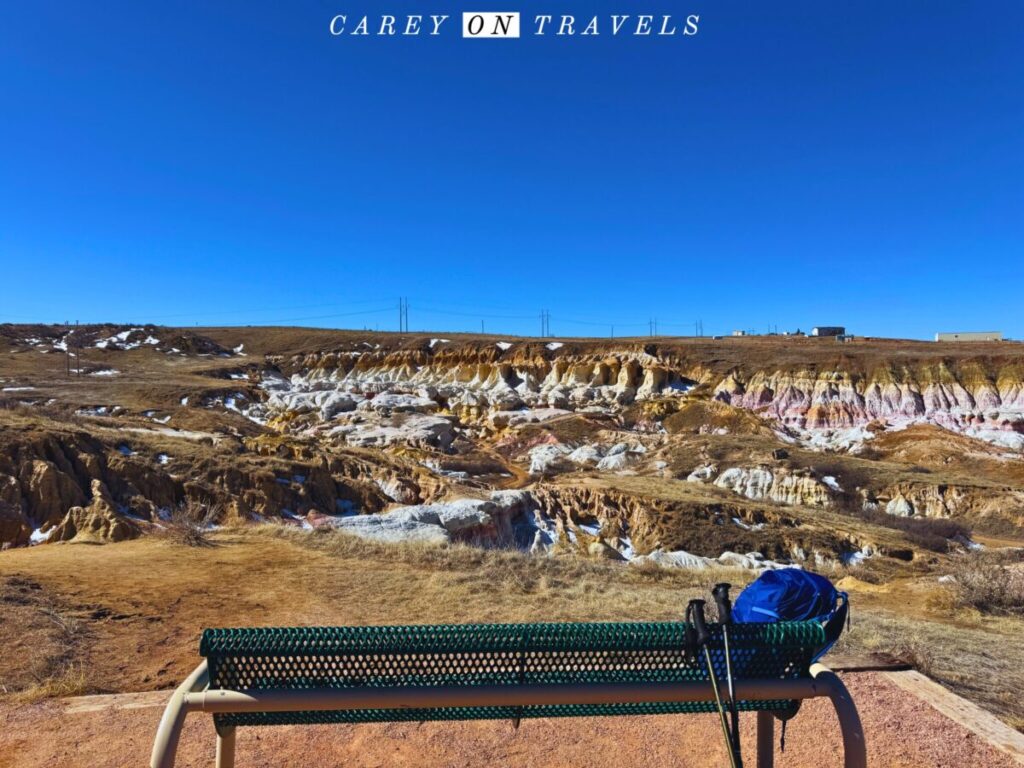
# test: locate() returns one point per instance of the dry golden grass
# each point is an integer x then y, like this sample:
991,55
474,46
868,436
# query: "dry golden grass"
140,606
69,680
42,638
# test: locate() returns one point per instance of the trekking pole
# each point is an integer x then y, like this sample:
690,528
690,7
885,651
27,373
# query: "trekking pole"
695,615
724,605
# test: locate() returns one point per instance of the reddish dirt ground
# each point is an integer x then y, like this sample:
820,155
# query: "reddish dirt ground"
113,731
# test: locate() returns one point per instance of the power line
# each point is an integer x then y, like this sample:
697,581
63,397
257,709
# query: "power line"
489,316
267,309
331,316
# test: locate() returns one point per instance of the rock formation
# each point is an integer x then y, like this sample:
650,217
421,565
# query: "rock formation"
100,521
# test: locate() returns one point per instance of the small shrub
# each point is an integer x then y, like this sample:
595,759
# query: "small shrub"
989,584
189,524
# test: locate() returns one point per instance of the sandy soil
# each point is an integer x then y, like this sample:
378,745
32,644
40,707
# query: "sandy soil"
114,731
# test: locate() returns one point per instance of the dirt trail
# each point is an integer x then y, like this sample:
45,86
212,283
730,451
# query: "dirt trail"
112,731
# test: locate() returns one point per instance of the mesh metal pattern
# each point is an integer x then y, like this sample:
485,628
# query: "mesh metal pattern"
494,654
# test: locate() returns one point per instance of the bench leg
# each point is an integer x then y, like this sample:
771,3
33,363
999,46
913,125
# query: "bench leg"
854,748
765,740
165,745
226,748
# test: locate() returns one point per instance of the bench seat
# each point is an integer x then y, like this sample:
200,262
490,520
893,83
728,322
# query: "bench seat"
306,675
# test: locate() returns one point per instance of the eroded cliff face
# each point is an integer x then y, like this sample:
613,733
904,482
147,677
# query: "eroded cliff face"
984,401
636,526
370,423
69,485
944,501
473,382
834,407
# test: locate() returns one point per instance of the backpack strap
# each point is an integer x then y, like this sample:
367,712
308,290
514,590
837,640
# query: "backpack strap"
834,625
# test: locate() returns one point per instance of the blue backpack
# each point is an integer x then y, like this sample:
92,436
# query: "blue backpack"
791,594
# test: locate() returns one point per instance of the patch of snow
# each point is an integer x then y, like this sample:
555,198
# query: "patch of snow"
968,544
184,401
853,559
239,349
163,458
38,537
747,526
503,345
626,547
105,372
17,389
97,411
832,483
435,342
594,529
553,345
171,432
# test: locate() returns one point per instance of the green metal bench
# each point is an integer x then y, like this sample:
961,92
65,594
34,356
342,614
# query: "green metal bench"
495,671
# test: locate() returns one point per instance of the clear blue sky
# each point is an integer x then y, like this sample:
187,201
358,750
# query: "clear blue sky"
795,163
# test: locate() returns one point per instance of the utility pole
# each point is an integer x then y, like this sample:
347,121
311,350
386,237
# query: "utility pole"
613,331
650,327
403,315
545,323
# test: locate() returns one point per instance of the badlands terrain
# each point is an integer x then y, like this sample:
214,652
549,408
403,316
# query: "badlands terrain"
469,478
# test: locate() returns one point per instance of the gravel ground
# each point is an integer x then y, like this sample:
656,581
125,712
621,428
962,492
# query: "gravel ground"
113,731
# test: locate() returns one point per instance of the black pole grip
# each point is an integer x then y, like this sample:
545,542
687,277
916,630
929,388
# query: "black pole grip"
722,602
699,625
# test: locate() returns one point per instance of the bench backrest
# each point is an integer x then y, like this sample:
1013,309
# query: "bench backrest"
494,654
